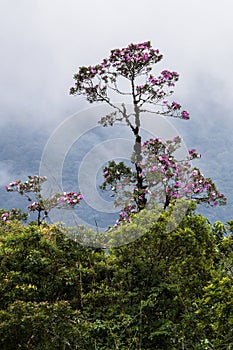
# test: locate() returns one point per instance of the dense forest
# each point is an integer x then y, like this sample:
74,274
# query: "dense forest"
166,290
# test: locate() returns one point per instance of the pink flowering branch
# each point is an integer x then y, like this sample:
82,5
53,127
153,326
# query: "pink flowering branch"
126,214
134,63
176,178
43,205
166,179
12,214
204,190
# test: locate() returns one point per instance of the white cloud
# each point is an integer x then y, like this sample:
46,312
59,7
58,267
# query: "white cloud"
44,42
5,174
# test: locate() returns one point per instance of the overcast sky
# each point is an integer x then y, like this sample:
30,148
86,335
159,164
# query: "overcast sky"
44,42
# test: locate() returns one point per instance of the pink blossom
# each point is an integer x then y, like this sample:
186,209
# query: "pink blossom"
185,115
176,105
166,74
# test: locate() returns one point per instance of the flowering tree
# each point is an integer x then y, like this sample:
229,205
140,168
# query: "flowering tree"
166,179
155,167
42,205
134,63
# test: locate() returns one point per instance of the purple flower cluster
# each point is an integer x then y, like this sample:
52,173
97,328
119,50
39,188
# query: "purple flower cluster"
4,217
33,184
126,214
135,59
70,198
35,206
166,78
193,154
170,75
177,179
204,190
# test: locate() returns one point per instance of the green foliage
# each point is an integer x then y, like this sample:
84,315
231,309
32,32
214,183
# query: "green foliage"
41,326
215,313
165,290
39,265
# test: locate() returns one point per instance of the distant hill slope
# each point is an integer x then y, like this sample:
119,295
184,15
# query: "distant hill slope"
21,150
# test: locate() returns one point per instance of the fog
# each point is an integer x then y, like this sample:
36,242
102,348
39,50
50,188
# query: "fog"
43,44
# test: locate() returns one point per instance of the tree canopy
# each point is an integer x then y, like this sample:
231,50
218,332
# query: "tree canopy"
166,290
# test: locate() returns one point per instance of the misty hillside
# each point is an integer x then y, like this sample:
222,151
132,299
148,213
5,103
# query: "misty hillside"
21,150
